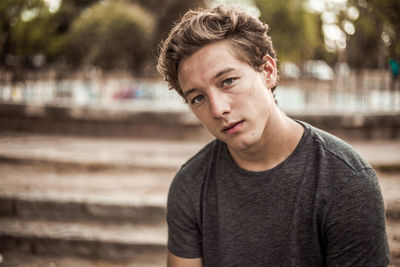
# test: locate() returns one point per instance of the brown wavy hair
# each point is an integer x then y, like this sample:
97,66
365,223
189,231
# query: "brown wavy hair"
197,28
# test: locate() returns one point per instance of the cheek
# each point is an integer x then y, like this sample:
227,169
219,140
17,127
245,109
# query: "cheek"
204,116
200,115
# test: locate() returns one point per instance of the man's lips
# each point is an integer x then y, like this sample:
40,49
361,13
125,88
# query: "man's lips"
232,127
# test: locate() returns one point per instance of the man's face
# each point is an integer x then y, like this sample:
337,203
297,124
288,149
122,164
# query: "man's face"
227,95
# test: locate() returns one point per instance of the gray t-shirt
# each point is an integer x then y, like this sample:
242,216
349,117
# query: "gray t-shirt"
322,206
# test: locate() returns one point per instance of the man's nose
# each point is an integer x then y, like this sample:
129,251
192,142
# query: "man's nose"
219,105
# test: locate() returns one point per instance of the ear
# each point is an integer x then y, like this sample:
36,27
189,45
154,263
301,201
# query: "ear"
270,71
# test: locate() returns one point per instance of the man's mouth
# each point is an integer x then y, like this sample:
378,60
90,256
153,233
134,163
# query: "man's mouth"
232,127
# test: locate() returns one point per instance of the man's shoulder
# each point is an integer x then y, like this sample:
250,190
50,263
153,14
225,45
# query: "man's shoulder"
194,169
338,169
337,151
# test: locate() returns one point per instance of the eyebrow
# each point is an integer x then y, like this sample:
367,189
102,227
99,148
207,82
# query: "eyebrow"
220,73
188,92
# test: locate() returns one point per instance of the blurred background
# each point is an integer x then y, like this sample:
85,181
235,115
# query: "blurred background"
90,135
335,56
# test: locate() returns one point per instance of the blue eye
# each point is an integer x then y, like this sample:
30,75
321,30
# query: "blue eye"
228,81
197,99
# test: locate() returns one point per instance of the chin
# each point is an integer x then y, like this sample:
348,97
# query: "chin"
242,144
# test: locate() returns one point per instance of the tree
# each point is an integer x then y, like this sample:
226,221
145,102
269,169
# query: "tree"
28,28
108,33
112,35
166,13
388,12
366,41
377,33
12,16
296,33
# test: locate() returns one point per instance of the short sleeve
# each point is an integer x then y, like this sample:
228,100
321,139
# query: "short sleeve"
184,237
355,229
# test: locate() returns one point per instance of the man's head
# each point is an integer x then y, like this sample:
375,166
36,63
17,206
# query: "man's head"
198,28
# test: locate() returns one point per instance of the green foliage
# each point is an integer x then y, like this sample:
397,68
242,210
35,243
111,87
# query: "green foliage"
365,41
112,35
14,16
166,13
36,36
388,12
296,33
107,33
377,18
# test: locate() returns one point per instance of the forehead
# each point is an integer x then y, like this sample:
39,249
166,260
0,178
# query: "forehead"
208,61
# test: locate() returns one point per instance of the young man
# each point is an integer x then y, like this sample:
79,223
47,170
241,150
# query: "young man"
268,191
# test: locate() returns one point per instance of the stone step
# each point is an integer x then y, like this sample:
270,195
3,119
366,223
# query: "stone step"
390,185
18,259
94,240
116,195
56,163
82,211
383,155
96,153
393,231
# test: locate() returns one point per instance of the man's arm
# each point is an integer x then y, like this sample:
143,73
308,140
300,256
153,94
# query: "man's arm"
175,261
184,235
355,227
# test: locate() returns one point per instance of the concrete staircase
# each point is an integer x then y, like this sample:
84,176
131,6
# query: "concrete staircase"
69,201
84,202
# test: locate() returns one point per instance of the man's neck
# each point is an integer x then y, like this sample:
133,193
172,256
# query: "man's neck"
281,137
